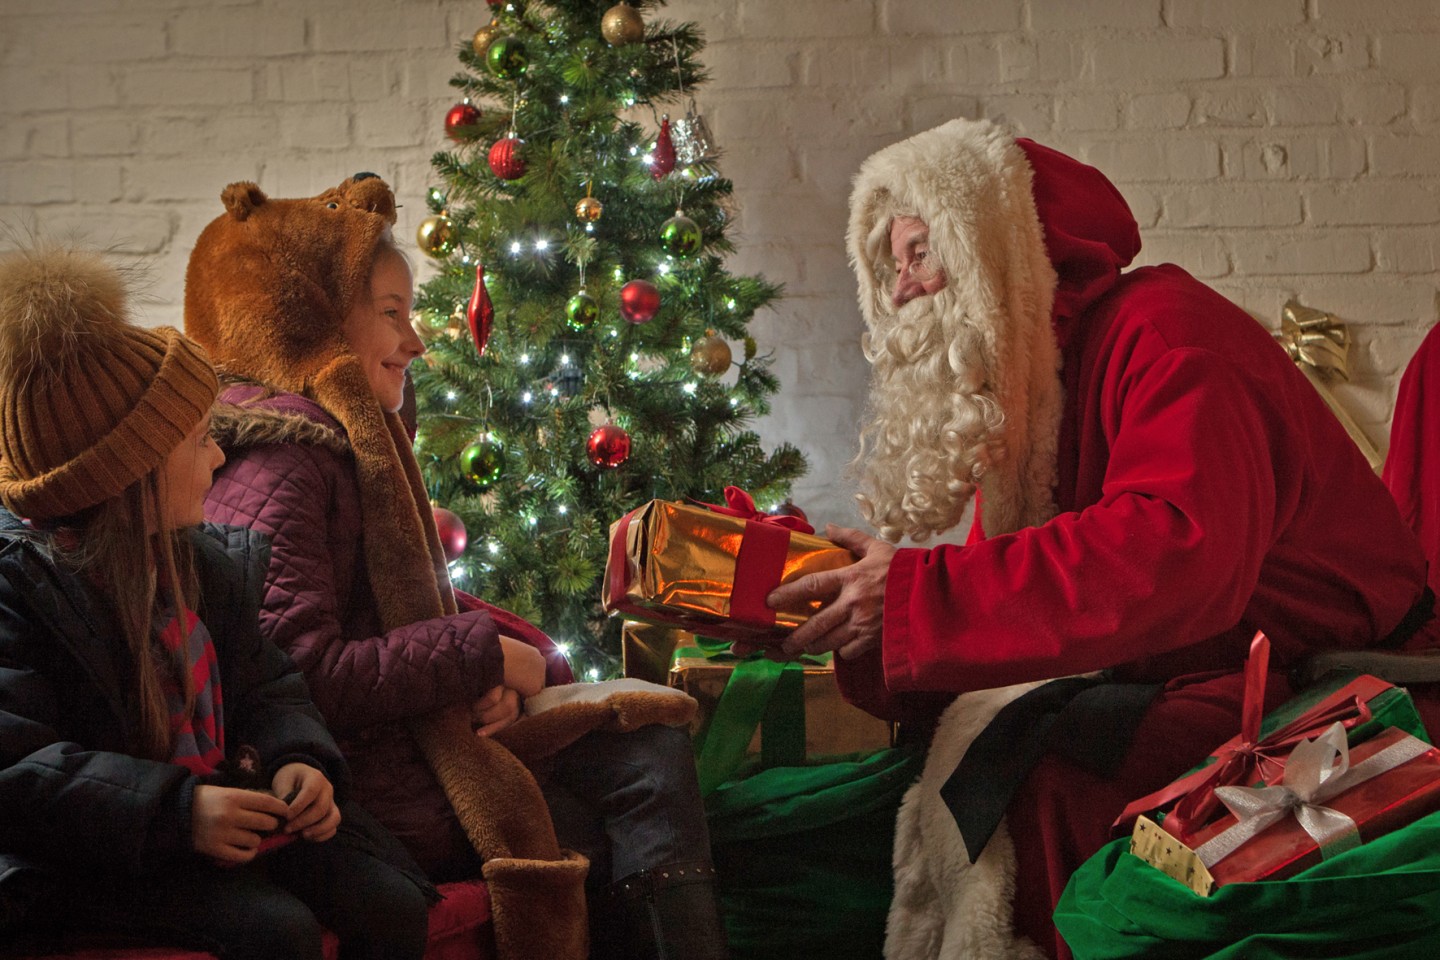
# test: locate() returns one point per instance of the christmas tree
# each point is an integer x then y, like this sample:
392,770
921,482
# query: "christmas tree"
587,350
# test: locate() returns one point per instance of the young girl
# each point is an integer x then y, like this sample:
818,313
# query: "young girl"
309,302
163,772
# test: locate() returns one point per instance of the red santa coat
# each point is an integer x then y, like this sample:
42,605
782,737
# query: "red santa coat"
1412,470
1202,491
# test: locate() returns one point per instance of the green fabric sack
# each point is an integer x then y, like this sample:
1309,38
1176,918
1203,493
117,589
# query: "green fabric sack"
802,846
1380,901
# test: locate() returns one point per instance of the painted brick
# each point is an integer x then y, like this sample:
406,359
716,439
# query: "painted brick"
902,18
1400,155
1168,111
923,67
763,19
203,32
1267,55
33,88
1232,14
1090,111
1408,251
1304,105
1232,205
1304,253
120,228
1136,15
778,65
353,28
96,181
1204,256
1372,104
1407,54
1156,159
316,127
1373,202
173,86
1230,108
51,38
104,136
1369,12
927,112
1337,157
191,178
1029,115
40,137
845,65
1322,55
1059,60
1425,104
1018,58
37,183
313,78
1158,59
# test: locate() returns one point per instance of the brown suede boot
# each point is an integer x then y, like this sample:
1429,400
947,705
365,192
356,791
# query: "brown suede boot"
671,912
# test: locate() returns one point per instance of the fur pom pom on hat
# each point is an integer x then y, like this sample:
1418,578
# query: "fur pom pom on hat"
89,403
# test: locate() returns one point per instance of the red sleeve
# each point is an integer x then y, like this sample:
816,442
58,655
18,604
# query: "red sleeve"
1169,555
1412,468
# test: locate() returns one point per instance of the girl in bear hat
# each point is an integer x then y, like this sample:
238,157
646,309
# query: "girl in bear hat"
307,303
138,700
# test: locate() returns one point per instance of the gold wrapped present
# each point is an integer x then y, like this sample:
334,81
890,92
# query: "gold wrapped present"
831,726
646,649
708,569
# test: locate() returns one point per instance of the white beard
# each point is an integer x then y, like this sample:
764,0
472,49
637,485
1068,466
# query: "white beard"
933,427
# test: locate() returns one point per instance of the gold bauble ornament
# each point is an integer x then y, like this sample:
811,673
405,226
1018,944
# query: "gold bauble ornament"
710,356
589,209
622,24
485,36
436,235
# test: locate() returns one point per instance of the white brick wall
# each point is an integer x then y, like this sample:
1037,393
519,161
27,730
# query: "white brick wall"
1276,148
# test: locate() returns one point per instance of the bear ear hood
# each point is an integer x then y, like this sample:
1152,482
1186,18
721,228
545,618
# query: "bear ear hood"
270,280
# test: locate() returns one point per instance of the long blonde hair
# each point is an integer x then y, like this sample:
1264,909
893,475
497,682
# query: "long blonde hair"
128,547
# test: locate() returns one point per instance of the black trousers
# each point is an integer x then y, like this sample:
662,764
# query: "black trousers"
270,909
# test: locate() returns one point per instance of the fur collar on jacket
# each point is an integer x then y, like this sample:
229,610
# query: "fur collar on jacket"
240,425
987,412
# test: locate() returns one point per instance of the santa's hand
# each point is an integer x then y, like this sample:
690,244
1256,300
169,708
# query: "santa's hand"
851,620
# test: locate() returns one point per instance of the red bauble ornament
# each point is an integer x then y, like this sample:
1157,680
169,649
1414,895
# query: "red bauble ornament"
460,121
608,447
480,312
453,535
664,155
505,160
639,301
788,509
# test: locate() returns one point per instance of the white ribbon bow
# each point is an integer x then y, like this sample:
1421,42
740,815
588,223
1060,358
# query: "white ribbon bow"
1317,770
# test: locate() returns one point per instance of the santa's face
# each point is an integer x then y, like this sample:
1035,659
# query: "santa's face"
917,271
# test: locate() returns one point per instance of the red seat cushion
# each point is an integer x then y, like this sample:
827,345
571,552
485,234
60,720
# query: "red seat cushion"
458,931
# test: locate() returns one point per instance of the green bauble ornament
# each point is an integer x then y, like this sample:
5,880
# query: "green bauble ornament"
680,236
507,58
582,311
481,463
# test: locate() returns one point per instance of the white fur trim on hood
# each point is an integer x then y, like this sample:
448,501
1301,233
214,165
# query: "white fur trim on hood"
970,182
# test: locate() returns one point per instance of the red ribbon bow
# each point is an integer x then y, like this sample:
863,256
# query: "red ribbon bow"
740,504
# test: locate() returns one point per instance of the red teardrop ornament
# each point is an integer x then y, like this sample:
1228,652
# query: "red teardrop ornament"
480,313
664,155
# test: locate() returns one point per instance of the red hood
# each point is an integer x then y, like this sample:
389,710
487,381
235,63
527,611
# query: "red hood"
1090,233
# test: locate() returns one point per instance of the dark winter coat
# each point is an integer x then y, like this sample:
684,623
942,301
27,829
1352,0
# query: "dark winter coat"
73,795
290,475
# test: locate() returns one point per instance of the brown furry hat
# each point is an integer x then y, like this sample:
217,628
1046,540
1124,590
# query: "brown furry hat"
267,290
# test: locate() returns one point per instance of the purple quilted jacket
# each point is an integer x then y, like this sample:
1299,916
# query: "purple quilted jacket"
289,474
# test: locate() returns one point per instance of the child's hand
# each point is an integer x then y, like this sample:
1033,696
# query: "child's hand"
524,667
312,810
499,708
226,822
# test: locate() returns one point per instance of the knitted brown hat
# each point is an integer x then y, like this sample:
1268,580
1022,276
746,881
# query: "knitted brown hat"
89,403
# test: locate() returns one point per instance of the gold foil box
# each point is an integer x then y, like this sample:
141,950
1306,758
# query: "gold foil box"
708,572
